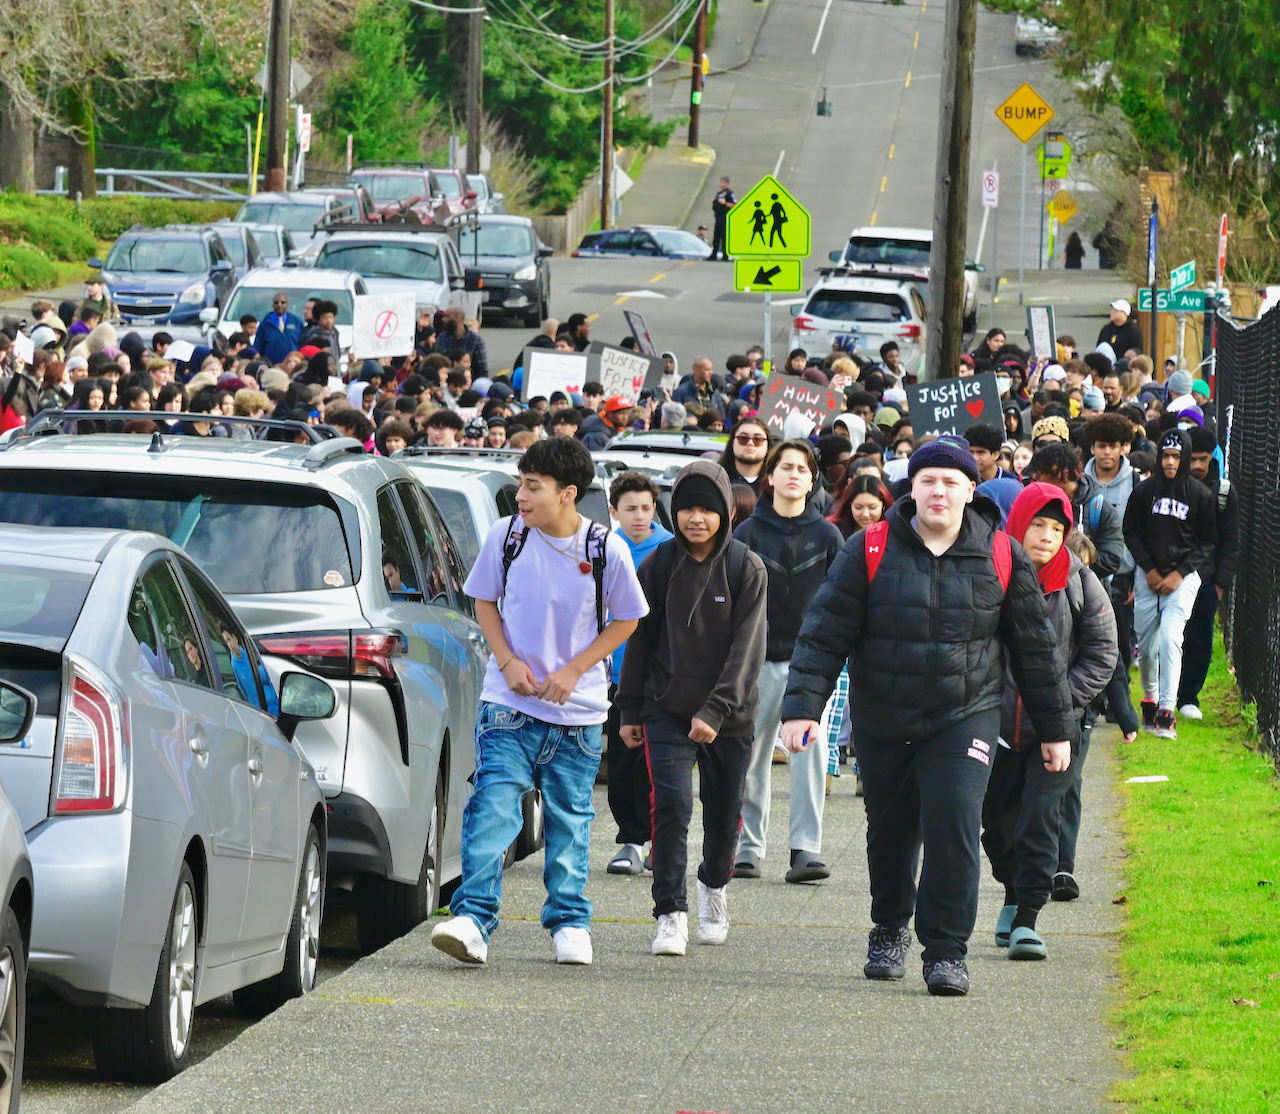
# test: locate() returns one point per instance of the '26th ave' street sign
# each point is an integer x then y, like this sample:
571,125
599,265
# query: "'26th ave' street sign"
1172,301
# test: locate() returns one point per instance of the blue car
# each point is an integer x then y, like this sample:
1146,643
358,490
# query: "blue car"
644,239
166,276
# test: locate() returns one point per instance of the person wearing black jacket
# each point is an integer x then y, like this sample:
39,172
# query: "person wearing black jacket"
925,638
1171,528
797,546
1216,574
1121,332
1059,463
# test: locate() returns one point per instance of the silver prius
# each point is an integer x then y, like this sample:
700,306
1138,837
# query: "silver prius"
176,832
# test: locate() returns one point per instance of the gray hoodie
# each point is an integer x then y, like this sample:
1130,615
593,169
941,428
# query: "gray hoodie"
1117,493
705,658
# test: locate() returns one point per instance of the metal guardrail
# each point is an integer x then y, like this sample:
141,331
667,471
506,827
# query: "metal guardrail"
184,185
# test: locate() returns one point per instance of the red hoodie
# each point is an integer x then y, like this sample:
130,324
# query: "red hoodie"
1031,501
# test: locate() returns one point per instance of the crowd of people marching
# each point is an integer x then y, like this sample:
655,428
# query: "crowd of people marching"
943,617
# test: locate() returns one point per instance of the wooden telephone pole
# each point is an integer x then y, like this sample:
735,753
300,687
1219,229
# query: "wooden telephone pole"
695,82
951,193
278,83
606,125
475,87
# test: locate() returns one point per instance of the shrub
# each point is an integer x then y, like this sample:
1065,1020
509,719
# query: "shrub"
25,268
108,217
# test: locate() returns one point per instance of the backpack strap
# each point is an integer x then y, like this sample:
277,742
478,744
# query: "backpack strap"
1224,494
664,561
512,547
1095,511
1075,599
874,538
597,541
1002,555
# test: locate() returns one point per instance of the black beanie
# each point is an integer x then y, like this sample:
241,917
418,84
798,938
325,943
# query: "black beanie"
1053,509
697,490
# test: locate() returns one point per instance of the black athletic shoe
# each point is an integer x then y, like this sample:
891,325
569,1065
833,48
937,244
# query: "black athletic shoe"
947,977
886,953
805,867
1065,887
1149,709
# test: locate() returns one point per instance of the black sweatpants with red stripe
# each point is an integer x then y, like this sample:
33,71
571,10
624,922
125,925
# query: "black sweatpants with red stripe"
722,773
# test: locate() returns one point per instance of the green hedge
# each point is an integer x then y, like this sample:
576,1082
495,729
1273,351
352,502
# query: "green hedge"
107,217
25,268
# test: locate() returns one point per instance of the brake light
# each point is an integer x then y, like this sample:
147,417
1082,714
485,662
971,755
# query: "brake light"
909,332
574,254
93,774
804,324
342,654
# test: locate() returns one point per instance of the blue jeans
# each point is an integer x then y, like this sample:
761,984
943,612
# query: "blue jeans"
515,753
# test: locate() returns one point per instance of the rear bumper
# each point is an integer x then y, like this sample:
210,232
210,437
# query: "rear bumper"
357,841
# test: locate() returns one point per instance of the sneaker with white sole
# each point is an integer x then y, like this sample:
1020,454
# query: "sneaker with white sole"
1191,711
460,937
1166,724
673,934
713,915
573,945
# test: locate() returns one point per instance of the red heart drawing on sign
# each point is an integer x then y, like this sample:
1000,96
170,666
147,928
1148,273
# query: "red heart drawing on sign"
975,408
831,401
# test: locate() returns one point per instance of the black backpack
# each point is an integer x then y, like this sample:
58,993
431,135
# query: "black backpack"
664,563
597,537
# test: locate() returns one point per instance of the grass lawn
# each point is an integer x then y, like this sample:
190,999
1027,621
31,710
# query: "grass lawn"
1200,1012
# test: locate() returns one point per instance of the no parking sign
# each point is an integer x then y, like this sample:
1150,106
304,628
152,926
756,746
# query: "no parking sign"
383,325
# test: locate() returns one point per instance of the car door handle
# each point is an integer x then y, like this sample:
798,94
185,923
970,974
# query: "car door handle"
255,767
477,639
198,746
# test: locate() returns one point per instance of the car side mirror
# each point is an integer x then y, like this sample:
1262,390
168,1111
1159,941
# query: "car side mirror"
472,195
95,263
497,197
222,267
209,315
797,310
473,279
304,697
17,710
546,252
835,256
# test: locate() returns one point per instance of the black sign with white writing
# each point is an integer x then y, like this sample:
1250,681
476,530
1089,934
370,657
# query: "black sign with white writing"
953,405
788,394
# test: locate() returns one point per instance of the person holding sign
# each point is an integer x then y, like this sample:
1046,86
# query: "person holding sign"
931,702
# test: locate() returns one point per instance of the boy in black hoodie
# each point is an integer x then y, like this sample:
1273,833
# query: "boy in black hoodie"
688,694
1170,527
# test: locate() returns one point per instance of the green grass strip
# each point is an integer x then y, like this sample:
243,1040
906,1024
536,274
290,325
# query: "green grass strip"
1199,1018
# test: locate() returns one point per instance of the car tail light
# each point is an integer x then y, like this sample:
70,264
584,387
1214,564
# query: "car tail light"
93,771
574,254
909,332
340,654
804,324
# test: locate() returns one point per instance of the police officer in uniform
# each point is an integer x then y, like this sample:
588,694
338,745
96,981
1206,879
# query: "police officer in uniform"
720,206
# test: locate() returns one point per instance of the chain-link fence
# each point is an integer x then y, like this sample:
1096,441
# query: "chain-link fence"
1248,401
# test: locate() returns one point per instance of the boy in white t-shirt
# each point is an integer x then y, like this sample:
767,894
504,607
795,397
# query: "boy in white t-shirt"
570,597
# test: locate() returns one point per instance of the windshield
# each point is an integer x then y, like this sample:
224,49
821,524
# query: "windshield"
151,253
899,253
391,187
297,216
495,239
673,239
249,537
267,243
477,183
384,260
257,301
857,305
37,601
449,185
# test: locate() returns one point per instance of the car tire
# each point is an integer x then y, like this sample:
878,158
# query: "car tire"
386,909
302,949
153,1044
13,1012
532,837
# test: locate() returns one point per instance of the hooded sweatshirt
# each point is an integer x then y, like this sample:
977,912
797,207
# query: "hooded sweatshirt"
1086,650
1171,524
670,380
1117,491
639,551
704,659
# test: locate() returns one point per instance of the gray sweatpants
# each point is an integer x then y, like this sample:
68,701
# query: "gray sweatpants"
808,775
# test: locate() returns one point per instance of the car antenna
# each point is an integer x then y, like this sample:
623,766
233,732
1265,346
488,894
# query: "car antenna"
157,443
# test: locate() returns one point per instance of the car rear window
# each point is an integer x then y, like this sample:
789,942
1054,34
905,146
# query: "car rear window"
857,305
878,249
297,216
250,538
391,187
38,602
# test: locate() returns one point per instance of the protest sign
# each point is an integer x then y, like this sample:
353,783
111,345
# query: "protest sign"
784,395
640,331
622,372
953,405
546,370
383,325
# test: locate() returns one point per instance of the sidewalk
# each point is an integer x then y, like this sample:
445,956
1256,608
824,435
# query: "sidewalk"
670,181
778,1021
1080,301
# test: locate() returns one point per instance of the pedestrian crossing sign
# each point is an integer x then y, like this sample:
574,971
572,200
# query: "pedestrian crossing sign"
768,222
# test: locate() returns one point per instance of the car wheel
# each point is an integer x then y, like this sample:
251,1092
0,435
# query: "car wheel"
385,909
532,836
13,1012
302,950
154,1044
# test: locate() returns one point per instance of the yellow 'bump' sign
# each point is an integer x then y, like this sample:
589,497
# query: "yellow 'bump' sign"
1025,112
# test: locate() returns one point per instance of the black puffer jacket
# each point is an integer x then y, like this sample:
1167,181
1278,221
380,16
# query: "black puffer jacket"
926,639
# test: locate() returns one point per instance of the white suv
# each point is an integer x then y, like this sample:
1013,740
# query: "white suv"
859,315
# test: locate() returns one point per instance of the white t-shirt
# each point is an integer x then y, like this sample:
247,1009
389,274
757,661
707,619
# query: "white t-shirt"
549,615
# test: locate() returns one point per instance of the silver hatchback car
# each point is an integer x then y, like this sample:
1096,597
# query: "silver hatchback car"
339,564
176,832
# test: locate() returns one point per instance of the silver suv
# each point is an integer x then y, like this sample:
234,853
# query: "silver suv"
339,564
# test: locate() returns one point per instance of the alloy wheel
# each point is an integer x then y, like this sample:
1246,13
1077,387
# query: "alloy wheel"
8,1028
309,912
182,970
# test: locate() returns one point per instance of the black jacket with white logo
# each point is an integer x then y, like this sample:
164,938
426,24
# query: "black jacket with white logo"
1172,524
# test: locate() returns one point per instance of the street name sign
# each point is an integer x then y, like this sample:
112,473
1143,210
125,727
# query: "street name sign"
1172,301
1182,277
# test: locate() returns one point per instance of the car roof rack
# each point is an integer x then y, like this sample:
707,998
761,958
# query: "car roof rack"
327,451
459,450
875,270
372,227
49,422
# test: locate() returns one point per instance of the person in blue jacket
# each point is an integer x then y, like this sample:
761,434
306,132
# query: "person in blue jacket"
633,501
279,331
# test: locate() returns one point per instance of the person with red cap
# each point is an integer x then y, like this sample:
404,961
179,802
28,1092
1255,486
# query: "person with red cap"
599,429
1031,776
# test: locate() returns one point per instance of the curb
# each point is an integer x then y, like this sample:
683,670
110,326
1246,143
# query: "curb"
697,193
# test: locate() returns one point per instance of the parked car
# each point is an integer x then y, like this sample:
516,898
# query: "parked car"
859,315
399,186
176,832
458,193
302,212
275,242
1034,34
166,276
513,264
647,239
488,201
17,709
404,257
340,566
903,253
242,246
686,442
470,500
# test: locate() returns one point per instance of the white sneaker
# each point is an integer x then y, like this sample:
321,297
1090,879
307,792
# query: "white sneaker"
673,934
1191,711
713,915
460,937
573,945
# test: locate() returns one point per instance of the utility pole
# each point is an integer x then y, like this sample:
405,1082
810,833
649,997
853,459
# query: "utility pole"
951,192
278,83
695,80
606,127
475,87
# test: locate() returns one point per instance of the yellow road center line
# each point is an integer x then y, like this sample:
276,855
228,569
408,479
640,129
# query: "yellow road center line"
884,182
908,84
621,298
873,219
593,317
658,278
892,148
917,41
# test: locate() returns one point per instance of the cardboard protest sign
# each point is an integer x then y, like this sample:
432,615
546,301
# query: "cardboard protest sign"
953,405
383,325
1042,333
546,370
622,372
784,395
640,331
